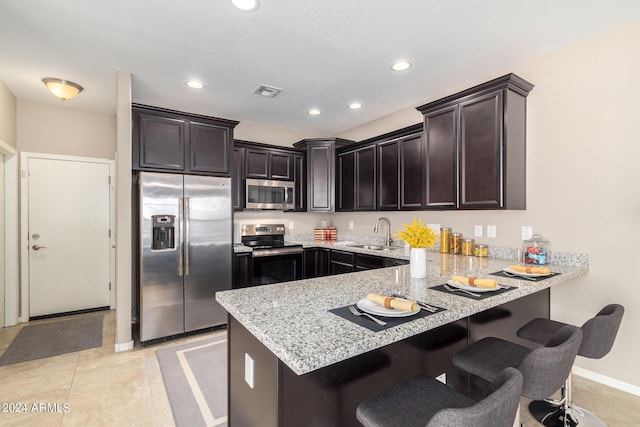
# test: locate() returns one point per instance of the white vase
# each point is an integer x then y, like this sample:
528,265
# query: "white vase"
418,263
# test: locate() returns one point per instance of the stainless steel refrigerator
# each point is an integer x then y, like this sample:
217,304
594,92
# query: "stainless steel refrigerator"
185,252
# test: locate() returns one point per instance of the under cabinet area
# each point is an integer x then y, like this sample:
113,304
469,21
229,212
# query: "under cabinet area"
172,141
476,147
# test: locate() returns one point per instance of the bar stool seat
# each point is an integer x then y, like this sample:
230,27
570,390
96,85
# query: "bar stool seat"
599,334
424,401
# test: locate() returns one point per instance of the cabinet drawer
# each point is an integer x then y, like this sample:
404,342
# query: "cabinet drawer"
342,257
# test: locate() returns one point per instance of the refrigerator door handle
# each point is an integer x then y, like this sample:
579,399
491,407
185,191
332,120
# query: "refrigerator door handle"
187,243
181,231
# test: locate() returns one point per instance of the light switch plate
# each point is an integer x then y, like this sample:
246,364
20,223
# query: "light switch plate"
477,230
527,232
248,369
491,231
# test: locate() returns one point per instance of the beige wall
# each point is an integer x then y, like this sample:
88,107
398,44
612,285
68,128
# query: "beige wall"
65,131
582,174
269,134
8,125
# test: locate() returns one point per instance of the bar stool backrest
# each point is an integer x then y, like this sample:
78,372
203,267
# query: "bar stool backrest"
600,332
546,368
497,409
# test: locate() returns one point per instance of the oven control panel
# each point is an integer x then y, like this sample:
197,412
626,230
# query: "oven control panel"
262,229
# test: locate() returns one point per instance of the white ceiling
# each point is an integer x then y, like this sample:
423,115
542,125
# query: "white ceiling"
322,53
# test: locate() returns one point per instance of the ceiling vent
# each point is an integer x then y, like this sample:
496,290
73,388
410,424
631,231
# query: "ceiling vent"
268,91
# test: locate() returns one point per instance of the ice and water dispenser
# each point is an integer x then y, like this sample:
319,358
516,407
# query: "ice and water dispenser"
163,232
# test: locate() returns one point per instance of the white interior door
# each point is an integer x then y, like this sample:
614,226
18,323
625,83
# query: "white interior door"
69,243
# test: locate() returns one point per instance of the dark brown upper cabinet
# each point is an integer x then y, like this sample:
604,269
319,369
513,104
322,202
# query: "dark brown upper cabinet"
167,140
268,164
237,178
476,147
300,180
321,165
356,175
400,173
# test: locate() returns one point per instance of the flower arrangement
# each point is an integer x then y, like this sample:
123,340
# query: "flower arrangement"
417,235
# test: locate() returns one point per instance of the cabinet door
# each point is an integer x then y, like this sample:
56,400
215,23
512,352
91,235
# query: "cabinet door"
209,148
161,142
441,158
320,187
256,163
365,179
242,270
388,177
300,180
412,172
281,166
237,181
480,152
345,182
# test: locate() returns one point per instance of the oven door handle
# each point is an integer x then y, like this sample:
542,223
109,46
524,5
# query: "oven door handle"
275,252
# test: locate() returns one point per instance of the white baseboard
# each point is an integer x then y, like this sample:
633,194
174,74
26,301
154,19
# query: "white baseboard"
603,379
124,346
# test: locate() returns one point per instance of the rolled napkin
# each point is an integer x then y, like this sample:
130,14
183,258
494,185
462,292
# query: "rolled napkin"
390,302
529,269
473,281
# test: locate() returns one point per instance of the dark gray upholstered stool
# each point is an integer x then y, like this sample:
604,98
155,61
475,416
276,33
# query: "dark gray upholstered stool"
599,334
423,401
543,369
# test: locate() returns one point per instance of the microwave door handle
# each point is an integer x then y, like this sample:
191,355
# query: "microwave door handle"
181,231
187,237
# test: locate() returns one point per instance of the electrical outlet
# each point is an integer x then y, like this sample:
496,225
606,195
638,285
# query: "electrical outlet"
477,230
442,378
491,231
434,227
350,225
527,232
248,369
291,225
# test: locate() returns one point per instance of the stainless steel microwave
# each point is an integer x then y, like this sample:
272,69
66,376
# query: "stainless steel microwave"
269,194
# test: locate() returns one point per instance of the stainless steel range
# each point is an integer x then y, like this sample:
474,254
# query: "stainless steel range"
274,260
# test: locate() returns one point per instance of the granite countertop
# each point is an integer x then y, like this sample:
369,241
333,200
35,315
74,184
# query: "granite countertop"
292,319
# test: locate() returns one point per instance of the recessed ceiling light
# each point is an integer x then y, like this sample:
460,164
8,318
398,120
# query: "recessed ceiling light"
313,112
355,105
194,84
246,5
401,65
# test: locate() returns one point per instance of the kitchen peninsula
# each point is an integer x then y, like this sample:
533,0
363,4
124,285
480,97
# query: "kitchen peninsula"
292,362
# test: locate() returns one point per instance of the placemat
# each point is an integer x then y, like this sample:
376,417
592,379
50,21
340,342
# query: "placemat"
391,321
501,273
483,295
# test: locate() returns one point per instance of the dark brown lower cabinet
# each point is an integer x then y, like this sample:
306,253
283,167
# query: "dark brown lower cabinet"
242,270
316,262
329,396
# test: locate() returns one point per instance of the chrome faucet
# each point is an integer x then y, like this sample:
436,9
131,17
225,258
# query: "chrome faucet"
388,240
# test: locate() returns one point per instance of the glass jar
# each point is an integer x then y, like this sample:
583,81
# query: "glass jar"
467,246
536,250
456,243
445,235
481,250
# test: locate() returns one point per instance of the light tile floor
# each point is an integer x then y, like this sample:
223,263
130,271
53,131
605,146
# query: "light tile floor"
104,388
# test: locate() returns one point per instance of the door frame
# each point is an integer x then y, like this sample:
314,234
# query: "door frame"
24,224
10,233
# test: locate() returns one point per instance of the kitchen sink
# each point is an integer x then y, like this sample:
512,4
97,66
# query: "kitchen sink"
377,247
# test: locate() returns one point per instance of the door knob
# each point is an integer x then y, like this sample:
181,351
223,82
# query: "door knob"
37,248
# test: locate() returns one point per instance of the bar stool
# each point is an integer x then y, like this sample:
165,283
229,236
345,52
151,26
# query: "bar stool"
599,334
543,369
425,401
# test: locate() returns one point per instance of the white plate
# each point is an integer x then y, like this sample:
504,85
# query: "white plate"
471,288
371,307
524,273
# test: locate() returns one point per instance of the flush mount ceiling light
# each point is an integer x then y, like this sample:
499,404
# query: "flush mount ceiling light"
355,106
194,84
246,5
401,65
62,89
313,112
